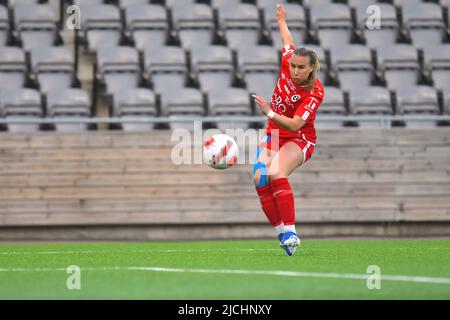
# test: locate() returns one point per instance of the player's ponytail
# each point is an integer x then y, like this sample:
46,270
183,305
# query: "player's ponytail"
314,62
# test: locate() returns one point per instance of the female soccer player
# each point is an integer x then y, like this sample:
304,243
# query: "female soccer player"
290,135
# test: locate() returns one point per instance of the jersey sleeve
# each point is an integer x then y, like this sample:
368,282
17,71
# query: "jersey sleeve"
287,50
286,53
307,107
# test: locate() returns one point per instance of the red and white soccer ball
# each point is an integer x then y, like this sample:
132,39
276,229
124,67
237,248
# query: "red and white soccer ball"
220,151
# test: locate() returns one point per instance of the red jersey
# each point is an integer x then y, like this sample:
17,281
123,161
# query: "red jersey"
290,99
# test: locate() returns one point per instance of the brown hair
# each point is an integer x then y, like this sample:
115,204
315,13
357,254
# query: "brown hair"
313,61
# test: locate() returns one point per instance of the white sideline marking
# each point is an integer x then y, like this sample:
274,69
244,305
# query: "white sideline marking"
128,251
249,272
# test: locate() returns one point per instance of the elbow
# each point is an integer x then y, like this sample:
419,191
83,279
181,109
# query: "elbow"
296,126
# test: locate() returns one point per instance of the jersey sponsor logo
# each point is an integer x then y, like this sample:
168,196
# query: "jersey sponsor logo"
287,89
291,84
312,104
288,49
295,98
277,104
288,102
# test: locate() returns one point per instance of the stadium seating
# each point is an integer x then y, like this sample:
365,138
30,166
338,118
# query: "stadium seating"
13,68
167,46
53,67
4,26
332,23
187,103
101,26
399,64
195,25
260,67
353,65
388,33
133,104
118,68
425,23
230,102
241,25
214,66
68,103
36,25
147,24
21,104
167,69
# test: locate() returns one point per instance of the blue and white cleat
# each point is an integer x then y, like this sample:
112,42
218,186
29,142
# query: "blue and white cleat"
289,242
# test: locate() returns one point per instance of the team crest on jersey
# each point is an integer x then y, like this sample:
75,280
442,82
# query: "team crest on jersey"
295,98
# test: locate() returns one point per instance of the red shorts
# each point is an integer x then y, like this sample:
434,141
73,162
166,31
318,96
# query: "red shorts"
305,146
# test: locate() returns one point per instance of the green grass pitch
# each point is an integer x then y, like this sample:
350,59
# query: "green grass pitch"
321,269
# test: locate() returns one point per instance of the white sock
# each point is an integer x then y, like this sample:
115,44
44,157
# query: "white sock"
290,228
279,228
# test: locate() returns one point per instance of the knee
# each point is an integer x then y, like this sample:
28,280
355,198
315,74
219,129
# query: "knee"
260,176
276,173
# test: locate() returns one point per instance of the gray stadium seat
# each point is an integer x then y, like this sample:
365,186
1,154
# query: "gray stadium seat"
177,3
309,3
21,104
230,102
36,25
102,26
187,103
333,104
389,31
118,68
296,21
223,4
133,104
260,66
53,67
13,68
214,66
69,103
129,3
417,100
82,3
147,24
195,25
425,23
399,64
370,101
4,26
437,61
166,67
241,25
353,64
447,102
333,24
402,3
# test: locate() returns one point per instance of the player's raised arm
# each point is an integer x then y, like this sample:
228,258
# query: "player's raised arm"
285,34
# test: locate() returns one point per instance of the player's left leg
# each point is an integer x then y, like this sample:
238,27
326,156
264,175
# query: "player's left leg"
289,158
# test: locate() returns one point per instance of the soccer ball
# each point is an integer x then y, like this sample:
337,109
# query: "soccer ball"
220,151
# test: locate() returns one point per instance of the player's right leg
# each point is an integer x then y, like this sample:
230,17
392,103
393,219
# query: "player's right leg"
264,190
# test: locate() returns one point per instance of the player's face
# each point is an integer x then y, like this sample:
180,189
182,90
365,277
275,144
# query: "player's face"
300,68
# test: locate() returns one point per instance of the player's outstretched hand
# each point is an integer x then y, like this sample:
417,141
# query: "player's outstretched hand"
262,104
281,13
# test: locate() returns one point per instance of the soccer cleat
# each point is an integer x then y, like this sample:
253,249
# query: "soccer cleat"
289,242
